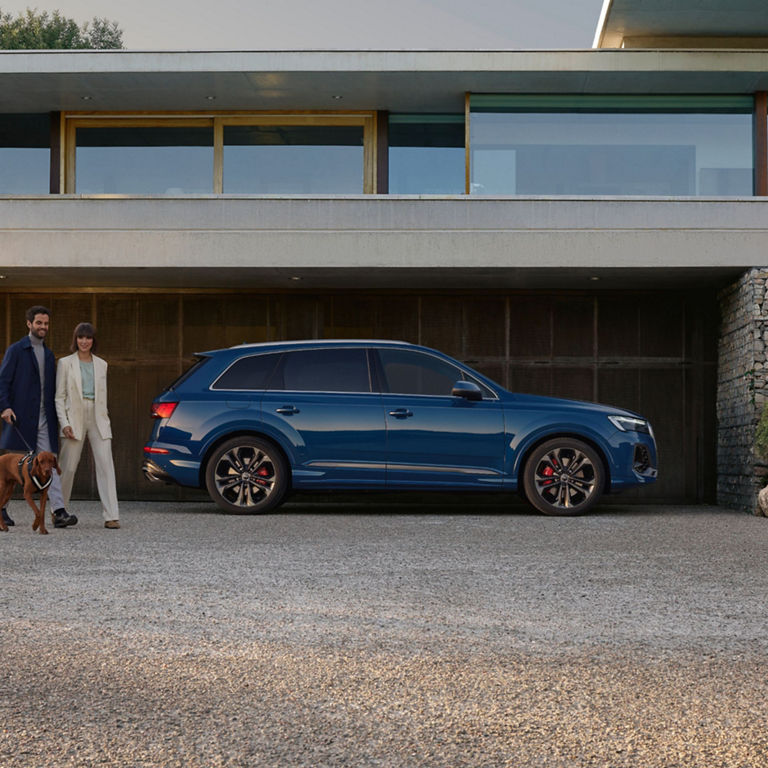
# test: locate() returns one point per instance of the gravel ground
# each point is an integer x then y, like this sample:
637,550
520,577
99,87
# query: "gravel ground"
367,635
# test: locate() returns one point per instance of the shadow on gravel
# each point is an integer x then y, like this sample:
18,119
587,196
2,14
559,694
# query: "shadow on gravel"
383,503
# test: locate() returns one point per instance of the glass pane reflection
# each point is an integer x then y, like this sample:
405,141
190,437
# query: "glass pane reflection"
278,159
144,160
581,153
25,155
426,154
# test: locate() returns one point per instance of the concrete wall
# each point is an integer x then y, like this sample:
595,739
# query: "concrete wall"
371,232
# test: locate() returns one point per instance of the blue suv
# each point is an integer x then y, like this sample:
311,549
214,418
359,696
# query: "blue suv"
253,422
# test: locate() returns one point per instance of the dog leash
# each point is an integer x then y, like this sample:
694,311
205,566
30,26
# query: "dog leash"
18,432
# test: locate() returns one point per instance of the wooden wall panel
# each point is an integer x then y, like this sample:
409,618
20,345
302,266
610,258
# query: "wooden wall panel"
397,318
530,326
442,324
655,354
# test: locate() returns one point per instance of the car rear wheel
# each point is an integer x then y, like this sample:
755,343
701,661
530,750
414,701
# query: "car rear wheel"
563,476
247,476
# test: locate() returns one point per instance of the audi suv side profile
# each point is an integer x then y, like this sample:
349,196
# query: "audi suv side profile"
253,422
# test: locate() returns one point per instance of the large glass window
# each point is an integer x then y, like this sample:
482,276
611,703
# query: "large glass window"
267,154
144,160
611,145
25,155
307,159
426,154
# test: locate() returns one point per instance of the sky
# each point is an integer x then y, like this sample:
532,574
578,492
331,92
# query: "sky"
338,24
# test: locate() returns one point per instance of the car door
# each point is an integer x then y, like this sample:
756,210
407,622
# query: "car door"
434,439
321,403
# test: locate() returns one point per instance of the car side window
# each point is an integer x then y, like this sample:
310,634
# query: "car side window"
323,370
415,373
252,372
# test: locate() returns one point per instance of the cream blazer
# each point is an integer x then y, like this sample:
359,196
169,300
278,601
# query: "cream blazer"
69,396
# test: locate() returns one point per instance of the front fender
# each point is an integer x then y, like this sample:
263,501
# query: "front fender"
520,446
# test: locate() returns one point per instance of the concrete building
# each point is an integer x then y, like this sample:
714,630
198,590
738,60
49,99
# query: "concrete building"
585,223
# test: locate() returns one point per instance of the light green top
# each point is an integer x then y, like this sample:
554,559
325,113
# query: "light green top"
86,374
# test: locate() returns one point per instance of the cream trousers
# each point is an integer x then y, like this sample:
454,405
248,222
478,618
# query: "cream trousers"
69,458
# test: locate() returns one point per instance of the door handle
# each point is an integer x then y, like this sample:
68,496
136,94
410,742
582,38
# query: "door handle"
401,413
287,410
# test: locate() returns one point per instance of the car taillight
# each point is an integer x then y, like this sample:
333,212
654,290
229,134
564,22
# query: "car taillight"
163,410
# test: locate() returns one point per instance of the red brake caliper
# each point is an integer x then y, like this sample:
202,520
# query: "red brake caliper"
548,472
262,472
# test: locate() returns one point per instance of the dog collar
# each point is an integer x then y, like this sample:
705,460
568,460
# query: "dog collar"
27,459
41,486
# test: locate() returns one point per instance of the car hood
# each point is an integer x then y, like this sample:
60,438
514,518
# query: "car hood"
548,403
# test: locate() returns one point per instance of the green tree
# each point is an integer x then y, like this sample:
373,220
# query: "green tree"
35,30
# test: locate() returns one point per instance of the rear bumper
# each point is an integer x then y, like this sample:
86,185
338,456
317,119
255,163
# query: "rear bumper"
155,473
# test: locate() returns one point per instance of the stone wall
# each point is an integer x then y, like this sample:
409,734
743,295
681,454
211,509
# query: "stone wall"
741,388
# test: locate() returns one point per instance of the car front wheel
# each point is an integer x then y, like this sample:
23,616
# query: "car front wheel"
563,476
246,476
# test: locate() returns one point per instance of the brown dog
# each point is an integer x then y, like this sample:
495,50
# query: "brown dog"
13,470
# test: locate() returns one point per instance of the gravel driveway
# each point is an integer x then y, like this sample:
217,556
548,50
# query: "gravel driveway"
373,635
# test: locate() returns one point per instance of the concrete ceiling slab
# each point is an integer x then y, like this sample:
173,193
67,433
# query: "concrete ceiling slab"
398,81
680,19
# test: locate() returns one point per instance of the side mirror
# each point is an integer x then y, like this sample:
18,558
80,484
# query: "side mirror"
468,390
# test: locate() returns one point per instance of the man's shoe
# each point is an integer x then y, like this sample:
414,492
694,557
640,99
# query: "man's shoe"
112,524
61,519
6,518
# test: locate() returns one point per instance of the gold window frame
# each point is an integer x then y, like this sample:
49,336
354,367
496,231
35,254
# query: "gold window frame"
217,120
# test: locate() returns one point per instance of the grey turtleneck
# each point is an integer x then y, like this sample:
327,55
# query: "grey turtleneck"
38,347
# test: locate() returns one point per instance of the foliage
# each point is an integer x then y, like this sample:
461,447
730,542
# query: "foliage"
761,434
35,30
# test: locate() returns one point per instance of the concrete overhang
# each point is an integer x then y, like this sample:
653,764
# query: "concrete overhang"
374,243
683,24
398,81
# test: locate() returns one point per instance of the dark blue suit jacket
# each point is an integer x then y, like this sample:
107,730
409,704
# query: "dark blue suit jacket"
20,390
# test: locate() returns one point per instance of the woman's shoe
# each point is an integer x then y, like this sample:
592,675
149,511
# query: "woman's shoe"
112,524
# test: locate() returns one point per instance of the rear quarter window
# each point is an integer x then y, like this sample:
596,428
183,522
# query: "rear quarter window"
252,372
198,363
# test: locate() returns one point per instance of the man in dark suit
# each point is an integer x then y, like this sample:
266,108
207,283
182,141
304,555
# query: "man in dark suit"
27,391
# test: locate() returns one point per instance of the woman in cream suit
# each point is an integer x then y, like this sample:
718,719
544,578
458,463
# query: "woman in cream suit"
81,405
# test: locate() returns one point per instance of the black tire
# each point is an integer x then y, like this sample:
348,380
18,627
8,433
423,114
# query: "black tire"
247,476
564,476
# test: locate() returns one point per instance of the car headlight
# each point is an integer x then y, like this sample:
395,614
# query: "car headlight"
631,424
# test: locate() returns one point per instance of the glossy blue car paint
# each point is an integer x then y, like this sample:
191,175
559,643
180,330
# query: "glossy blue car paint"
484,437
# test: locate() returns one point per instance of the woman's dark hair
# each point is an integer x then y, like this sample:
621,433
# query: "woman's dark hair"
83,329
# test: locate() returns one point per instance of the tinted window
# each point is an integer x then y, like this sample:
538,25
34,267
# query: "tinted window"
324,370
426,154
251,372
415,373
144,160
198,363
264,159
25,154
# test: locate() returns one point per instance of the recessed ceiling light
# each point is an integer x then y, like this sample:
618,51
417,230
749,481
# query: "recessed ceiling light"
87,98
210,98
594,278
295,277
337,98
